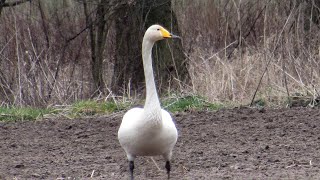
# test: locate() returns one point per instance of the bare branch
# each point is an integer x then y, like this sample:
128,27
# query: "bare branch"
11,4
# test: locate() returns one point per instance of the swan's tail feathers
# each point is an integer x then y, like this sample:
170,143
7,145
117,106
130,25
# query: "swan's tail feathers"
131,167
168,167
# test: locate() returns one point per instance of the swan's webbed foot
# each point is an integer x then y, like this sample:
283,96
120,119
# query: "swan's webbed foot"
168,167
131,167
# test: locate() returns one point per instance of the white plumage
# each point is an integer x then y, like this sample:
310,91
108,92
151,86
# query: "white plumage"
149,131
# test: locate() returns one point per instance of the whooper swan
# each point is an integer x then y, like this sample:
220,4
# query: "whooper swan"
149,131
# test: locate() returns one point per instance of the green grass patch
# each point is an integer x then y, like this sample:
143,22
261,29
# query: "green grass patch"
22,114
76,110
89,108
92,107
190,103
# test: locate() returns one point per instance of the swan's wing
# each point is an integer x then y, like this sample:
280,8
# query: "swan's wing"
127,128
167,119
170,132
169,125
131,116
129,121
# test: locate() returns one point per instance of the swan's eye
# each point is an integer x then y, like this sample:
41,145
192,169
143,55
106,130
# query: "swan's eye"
158,29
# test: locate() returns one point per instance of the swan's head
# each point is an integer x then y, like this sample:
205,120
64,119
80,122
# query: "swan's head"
157,32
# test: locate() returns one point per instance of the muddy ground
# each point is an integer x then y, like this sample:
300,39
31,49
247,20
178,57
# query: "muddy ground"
228,144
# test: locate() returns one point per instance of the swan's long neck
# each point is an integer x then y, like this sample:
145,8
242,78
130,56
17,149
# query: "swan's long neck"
152,104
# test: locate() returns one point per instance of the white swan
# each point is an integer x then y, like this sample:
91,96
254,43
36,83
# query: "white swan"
149,131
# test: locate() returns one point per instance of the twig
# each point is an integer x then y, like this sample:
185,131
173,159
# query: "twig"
92,174
155,163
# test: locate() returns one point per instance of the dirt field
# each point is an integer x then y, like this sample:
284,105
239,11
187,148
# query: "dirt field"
228,144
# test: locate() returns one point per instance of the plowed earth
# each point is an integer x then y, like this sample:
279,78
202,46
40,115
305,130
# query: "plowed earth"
227,144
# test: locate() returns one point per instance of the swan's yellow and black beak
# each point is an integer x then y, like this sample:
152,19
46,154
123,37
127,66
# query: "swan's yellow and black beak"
167,34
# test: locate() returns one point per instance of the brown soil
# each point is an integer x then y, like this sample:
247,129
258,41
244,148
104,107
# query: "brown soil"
228,144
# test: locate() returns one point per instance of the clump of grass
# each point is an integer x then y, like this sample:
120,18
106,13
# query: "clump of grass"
260,102
189,103
22,114
92,107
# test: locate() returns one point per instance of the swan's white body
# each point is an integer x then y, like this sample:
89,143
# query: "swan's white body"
148,131
143,134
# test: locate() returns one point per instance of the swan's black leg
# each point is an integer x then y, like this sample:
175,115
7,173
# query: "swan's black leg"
168,167
131,167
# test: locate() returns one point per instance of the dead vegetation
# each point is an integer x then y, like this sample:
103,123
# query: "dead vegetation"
235,50
247,50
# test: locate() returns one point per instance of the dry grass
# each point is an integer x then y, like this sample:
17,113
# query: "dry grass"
230,45
271,49
234,80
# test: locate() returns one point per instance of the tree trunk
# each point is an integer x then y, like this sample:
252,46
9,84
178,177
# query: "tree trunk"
106,12
97,43
44,21
100,39
168,59
128,64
